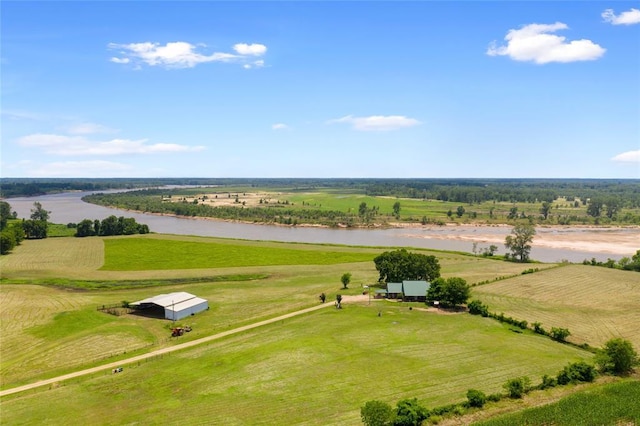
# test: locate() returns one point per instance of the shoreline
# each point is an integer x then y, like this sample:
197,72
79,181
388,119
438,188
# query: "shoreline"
621,240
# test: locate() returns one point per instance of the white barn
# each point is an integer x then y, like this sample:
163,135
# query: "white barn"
176,305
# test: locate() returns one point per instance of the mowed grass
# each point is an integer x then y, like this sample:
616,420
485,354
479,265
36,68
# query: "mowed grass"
124,254
612,404
319,368
53,257
594,303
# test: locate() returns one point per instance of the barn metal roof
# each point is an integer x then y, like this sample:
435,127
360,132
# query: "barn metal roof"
415,288
171,299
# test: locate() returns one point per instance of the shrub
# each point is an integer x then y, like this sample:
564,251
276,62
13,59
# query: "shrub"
559,334
577,372
410,413
518,387
476,398
548,382
376,413
476,307
617,357
537,328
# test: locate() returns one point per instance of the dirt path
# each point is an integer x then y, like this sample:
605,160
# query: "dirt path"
179,347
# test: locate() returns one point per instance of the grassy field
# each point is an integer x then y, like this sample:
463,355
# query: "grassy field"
595,304
316,369
329,362
613,404
36,321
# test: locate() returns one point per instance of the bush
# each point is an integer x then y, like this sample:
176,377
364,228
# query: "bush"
376,413
518,387
476,398
410,413
559,334
537,328
476,307
548,382
577,372
617,357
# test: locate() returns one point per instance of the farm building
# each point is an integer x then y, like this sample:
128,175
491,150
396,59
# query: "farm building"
415,291
408,291
174,306
394,290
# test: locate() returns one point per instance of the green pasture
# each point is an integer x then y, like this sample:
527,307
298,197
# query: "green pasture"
612,404
316,369
594,303
412,209
122,254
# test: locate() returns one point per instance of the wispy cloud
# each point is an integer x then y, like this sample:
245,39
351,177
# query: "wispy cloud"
628,157
79,145
89,128
182,54
377,122
279,126
537,43
630,17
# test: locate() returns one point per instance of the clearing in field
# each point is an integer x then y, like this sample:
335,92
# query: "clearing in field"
330,362
594,303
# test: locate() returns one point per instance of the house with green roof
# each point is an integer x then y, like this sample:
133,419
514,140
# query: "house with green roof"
394,291
415,291
408,291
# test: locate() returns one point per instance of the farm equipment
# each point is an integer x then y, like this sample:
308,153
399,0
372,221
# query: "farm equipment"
179,331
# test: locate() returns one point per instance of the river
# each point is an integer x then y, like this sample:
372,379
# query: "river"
556,243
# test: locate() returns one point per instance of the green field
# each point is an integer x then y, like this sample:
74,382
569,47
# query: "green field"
330,362
613,404
595,304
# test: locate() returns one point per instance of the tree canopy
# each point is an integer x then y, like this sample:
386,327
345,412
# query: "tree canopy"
519,242
400,265
449,292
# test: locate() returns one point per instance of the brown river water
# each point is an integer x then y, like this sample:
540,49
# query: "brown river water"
551,244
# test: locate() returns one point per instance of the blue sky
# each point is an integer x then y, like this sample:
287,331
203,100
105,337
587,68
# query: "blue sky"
320,89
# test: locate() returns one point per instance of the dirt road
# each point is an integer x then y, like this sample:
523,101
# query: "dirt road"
179,347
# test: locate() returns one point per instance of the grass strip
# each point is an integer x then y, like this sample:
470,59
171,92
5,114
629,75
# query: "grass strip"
130,284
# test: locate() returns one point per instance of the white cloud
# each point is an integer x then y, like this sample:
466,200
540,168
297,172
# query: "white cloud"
280,126
536,43
79,145
377,122
181,54
630,17
88,128
254,49
628,157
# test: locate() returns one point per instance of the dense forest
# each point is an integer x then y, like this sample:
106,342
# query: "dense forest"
625,191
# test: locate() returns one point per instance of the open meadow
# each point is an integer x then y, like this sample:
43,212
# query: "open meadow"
330,362
315,369
594,303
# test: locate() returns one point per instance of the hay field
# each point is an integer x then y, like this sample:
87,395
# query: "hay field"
594,303
315,369
53,257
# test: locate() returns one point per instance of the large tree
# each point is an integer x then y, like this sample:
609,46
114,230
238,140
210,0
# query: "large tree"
519,242
39,213
450,292
400,265
377,413
5,214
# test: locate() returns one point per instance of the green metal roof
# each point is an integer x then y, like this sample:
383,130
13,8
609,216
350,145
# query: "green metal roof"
394,287
415,288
